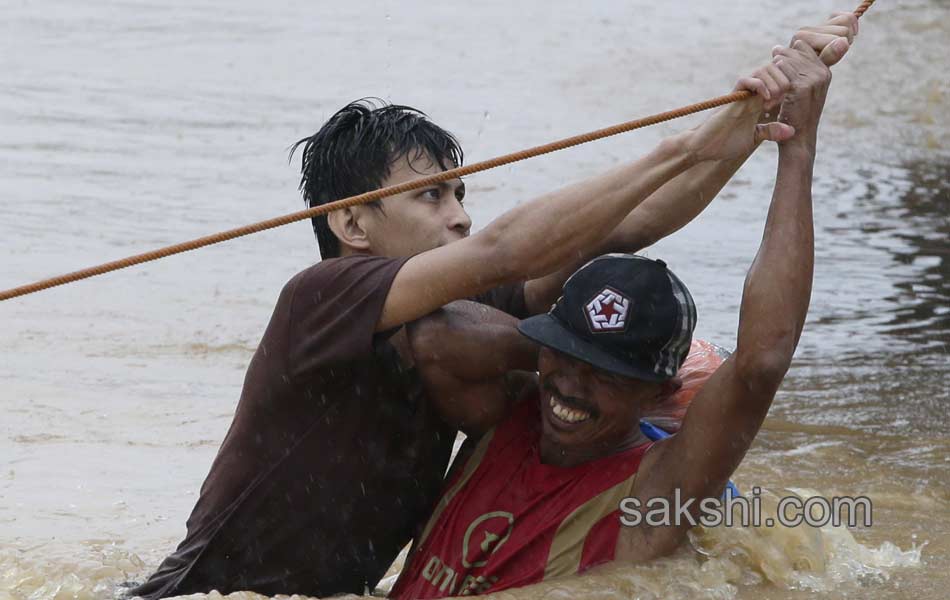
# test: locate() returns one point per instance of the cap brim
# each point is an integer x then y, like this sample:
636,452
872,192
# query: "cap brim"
548,331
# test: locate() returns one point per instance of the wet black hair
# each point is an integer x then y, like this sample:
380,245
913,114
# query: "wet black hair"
354,150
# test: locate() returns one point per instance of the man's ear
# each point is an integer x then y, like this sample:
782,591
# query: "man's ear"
345,225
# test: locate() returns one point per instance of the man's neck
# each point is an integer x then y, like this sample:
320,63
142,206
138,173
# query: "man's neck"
560,456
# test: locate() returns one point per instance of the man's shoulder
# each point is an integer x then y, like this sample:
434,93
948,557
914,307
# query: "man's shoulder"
343,271
330,268
329,311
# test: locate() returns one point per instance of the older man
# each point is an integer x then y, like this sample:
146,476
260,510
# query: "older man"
540,495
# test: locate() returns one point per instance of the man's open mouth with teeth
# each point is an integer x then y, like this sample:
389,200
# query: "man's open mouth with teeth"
566,411
587,413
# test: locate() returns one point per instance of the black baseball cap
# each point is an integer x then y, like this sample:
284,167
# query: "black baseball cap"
622,313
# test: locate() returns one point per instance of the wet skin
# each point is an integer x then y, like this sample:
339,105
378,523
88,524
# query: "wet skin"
419,220
587,413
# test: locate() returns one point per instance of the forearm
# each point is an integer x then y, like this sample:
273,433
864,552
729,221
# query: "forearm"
562,225
665,211
668,208
699,458
679,201
673,206
778,287
472,341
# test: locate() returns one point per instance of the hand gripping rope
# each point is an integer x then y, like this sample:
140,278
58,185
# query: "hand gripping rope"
386,191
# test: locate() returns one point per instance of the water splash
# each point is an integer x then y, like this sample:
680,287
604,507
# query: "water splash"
97,573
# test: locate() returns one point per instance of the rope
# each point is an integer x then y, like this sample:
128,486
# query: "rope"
384,192
859,11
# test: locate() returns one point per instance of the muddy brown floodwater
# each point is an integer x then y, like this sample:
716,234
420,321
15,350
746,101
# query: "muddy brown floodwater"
130,125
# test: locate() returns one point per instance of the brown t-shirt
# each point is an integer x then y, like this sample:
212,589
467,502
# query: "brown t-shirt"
334,456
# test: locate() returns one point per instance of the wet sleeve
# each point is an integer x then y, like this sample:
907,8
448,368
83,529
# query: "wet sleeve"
506,298
333,310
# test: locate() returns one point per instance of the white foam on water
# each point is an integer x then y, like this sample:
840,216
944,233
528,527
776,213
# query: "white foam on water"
716,563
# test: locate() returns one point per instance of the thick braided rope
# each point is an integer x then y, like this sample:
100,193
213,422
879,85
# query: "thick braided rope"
384,192
859,11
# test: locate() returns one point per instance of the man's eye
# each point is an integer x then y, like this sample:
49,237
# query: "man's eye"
433,194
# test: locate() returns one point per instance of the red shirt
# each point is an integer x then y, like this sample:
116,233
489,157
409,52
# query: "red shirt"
507,520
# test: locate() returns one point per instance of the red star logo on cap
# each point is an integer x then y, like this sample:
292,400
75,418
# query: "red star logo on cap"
607,311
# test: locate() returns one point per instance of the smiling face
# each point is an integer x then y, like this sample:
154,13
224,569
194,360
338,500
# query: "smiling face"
418,220
587,413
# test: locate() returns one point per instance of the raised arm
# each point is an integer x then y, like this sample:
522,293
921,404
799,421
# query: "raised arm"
684,197
726,415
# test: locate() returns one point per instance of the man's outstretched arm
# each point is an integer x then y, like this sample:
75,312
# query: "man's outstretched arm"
683,198
726,415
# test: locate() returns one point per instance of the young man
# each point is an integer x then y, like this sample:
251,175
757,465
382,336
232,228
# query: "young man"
335,455
539,497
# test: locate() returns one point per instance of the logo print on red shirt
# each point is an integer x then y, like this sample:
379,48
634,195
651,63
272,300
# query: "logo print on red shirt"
607,312
485,536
